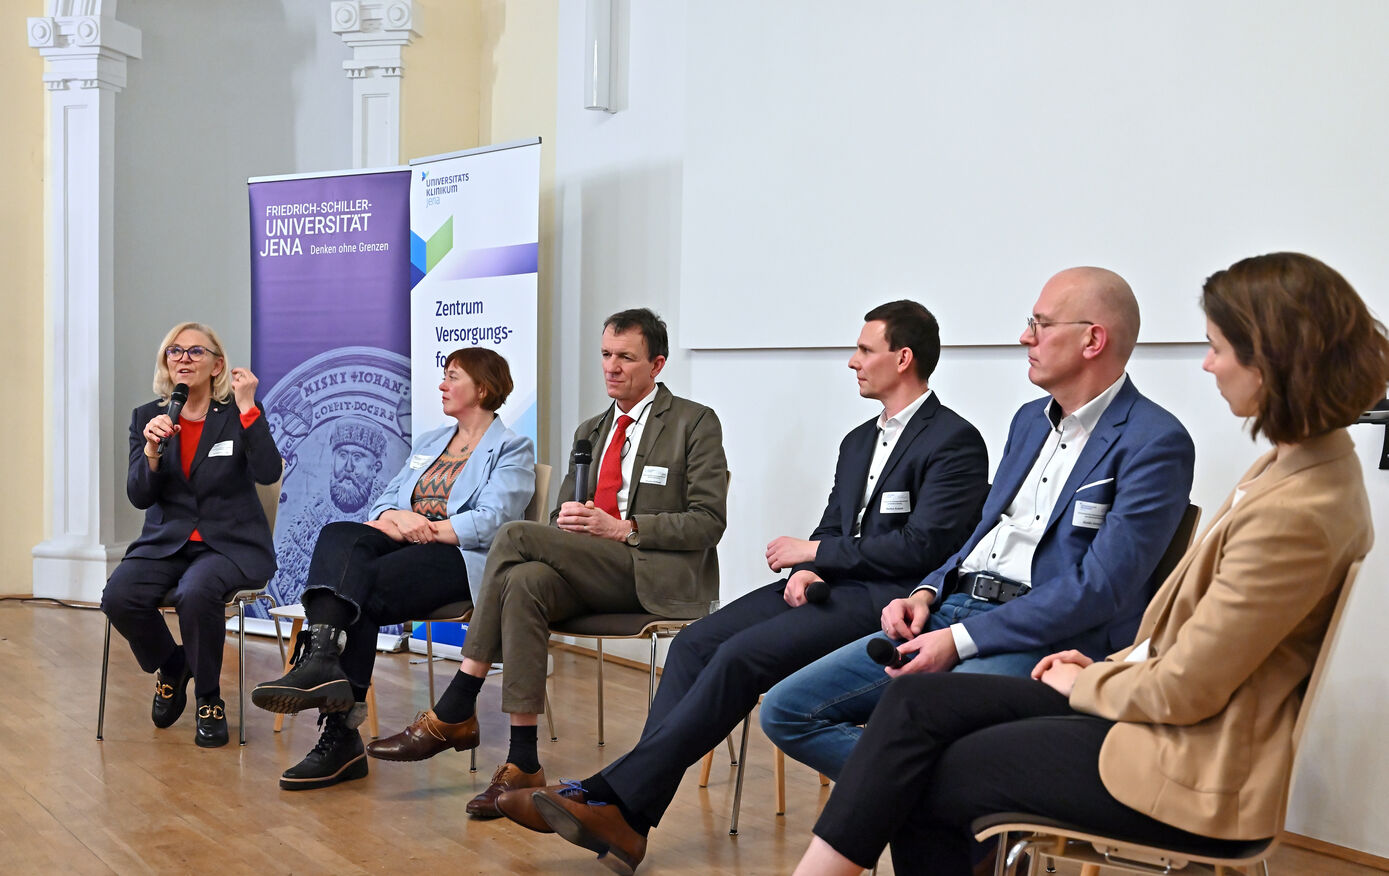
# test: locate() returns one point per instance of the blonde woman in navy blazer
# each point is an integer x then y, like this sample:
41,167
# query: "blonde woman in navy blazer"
425,543
205,534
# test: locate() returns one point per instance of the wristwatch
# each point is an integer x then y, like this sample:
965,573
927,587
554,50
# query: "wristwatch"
633,539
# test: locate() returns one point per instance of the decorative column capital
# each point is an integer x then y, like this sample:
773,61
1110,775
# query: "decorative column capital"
84,45
377,30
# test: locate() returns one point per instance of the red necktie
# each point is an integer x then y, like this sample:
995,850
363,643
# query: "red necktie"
610,472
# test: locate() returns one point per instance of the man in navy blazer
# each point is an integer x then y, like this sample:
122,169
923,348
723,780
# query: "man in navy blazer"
1091,487
907,489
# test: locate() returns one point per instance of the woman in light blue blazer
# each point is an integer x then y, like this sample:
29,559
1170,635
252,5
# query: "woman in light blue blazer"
426,541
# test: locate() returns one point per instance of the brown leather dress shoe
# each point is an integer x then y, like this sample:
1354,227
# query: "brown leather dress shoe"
507,777
598,827
519,806
426,737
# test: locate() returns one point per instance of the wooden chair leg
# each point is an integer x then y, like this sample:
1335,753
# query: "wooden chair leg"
824,780
549,713
704,770
294,631
371,711
1090,870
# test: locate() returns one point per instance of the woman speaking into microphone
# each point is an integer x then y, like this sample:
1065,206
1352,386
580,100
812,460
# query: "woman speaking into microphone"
193,470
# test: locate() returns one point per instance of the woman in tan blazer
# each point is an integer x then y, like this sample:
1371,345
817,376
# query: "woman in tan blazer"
1187,733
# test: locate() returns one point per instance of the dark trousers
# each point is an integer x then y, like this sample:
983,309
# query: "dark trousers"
196,581
945,748
716,670
386,581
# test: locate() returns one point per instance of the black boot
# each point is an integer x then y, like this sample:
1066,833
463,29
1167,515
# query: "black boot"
338,755
212,723
316,681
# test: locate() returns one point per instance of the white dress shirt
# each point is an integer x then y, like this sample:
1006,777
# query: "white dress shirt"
889,430
1008,548
634,430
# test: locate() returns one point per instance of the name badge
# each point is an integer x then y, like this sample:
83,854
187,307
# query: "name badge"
420,460
221,448
654,474
1090,514
896,503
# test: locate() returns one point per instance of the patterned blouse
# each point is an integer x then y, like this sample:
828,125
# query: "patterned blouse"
431,495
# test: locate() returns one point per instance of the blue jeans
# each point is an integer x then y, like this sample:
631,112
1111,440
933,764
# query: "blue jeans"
816,715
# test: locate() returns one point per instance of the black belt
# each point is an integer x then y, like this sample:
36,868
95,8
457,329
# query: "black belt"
988,587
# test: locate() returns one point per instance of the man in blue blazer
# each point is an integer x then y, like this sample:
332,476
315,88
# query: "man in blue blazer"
1092,485
907,489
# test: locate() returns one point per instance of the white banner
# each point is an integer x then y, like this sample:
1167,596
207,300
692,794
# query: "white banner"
474,253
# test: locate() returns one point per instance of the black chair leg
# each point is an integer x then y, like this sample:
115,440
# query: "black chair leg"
105,664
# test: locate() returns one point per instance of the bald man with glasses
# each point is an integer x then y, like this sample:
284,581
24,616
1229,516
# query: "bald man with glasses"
1093,482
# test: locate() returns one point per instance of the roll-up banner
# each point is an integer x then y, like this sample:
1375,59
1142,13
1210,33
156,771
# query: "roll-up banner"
474,256
330,343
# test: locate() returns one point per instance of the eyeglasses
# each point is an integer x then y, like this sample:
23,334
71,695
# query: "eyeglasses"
1036,325
627,439
195,353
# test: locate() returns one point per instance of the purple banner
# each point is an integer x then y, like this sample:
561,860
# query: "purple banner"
330,342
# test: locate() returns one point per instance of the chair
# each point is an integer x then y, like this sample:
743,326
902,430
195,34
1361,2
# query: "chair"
622,625
1176,548
1049,838
269,495
739,760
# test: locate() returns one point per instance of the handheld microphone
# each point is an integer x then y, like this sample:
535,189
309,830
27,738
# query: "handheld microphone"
883,653
583,458
177,399
817,592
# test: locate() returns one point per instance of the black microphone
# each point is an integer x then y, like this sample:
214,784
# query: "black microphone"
583,458
177,399
883,653
817,592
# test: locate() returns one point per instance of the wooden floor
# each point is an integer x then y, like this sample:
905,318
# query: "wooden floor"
150,801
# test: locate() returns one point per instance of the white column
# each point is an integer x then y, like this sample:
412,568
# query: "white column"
377,31
85,51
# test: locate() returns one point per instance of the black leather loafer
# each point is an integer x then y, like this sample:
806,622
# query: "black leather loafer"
170,699
212,723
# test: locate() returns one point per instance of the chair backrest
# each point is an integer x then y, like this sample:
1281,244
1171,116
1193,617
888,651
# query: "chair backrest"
1178,546
1323,656
269,495
538,509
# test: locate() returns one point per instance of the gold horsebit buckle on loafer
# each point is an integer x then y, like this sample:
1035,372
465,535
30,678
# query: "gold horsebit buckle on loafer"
163,691
210,712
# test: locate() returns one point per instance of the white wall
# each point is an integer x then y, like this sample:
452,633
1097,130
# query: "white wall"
619,184
224,91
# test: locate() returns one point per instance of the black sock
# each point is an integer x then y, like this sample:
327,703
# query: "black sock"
522,751
597,790
216,692
173,665
459,701
325,607
359,694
